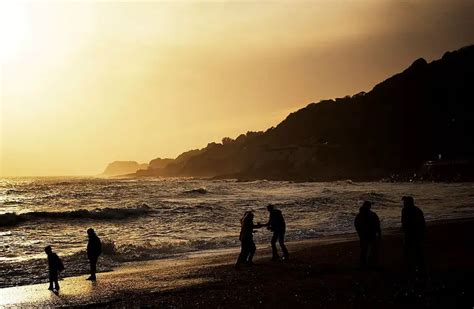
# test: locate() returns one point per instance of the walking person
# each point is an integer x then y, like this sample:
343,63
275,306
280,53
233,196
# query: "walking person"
277,225
367,225
247,244
413,225
55,265
94,249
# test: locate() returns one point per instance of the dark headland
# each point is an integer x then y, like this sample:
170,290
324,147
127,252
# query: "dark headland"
123,167
416,125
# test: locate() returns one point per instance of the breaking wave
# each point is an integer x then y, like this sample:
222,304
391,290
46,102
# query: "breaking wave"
196,191
148,251
113,255
107,213
12,191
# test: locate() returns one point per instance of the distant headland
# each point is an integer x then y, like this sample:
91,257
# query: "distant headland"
417,124
117,168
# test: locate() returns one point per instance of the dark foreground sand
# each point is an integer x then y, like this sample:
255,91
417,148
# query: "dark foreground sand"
321,274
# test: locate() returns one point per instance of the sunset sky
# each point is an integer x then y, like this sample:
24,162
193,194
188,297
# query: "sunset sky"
87,83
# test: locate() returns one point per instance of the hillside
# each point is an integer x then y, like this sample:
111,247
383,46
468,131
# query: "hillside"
423,113
123,167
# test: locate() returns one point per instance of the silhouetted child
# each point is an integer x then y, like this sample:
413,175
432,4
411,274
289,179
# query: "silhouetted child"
94,249
367,225
276,224
55,266
413,224
247,244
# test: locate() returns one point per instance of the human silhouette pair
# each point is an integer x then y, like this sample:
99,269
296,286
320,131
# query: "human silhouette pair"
276,224
367,225
55,264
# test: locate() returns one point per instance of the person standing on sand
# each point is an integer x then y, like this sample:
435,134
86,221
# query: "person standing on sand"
94,249
277,225
367,225
413,225
55,266
247,244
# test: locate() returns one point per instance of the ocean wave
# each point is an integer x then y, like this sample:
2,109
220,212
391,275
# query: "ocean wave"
344,182
12,202
375,197
68,195
147,251
12,191
9,219
196,191
34,271
127,252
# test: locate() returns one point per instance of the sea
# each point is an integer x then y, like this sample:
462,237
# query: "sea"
154,218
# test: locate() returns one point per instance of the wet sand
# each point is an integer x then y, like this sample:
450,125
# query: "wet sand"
322,273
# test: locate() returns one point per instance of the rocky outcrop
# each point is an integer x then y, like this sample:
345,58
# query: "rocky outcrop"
159,163
117,168
422,113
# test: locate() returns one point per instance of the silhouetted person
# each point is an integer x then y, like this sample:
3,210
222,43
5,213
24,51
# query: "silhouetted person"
55,266
276,224
367,225
247,244
413,224
94,249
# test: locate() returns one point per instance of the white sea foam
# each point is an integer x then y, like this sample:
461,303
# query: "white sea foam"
180,217
106,213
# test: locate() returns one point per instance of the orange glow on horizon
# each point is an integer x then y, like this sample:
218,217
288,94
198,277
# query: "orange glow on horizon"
87,83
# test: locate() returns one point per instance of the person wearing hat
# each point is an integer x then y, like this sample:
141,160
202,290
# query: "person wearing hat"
367,225
94,249
413,225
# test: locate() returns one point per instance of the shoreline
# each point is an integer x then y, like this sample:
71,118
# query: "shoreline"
318,264
109,262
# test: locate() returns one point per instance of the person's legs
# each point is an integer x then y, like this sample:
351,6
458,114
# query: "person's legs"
419,257
252,249
56,284
370,254
373,254
93,265
411,255
51,280
364,246
281,241
274,248
244,253
241,257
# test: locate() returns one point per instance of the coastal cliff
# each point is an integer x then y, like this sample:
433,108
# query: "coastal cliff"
424,113
123,167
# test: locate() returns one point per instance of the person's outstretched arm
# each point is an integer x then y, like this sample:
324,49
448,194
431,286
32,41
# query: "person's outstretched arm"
259,225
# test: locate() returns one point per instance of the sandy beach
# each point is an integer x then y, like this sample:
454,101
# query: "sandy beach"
322,273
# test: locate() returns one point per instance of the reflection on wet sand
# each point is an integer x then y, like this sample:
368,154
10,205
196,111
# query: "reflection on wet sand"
152,275
73,290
